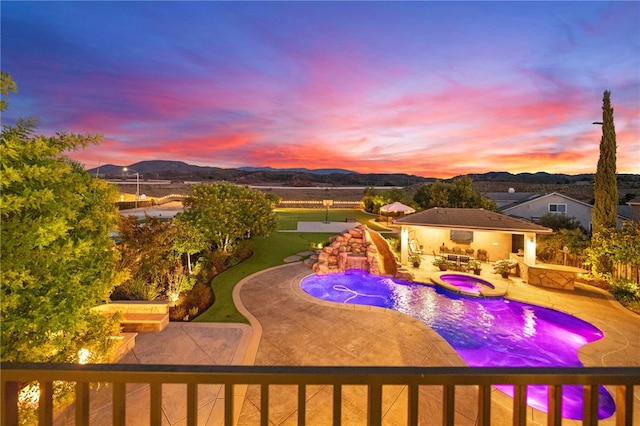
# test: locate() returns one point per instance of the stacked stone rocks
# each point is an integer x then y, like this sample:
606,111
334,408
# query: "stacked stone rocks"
353,249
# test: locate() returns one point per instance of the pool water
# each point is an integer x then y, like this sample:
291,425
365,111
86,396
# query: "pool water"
466,283
484,332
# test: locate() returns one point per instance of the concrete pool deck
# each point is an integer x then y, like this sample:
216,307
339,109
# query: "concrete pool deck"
289,327
294,328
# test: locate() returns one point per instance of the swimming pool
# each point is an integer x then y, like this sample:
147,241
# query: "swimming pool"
484,332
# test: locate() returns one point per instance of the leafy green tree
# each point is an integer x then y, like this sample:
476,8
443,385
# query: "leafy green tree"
560,221
551,248
177,282
618,245
58,260
226,213
458,194
373,200
189,240
148,257
604,216
372,203
6,85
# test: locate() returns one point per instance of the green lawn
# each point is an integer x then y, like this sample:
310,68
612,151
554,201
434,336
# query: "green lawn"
289,218
267,252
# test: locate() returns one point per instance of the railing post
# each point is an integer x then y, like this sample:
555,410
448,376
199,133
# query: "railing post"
156,404
45,404
412,405
484,405
519,405
119,408
264,404
9,411
590,405
192,404
554,406
374,402
624,405
337,404
228,404
302,404
448,404
82,403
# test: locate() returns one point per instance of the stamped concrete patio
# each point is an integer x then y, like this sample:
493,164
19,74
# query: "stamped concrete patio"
289,327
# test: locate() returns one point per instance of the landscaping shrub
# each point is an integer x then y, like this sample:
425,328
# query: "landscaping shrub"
197,300
627,292
624,287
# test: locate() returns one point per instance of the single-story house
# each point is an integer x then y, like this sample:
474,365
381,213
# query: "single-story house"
498,234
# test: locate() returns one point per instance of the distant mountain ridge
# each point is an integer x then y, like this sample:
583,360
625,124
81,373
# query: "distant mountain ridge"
301,170
179,170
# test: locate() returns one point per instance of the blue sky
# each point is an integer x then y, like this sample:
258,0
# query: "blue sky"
428,88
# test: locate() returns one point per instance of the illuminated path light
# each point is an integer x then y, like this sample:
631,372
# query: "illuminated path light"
494,332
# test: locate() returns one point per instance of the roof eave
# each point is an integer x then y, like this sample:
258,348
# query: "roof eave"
480,228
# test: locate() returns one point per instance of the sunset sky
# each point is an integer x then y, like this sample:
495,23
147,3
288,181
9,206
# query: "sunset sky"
435,89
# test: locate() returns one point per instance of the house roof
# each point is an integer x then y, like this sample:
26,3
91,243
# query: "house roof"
471,219
507,199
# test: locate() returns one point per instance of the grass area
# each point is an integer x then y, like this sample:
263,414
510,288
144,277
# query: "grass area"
289,218
267,252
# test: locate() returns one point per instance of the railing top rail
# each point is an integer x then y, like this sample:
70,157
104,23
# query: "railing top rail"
318,375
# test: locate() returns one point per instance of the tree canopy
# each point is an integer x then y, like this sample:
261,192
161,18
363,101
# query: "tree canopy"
57,256
225,213
460,194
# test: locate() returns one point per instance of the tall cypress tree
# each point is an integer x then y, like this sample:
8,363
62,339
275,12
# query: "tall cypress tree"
604,214
606,185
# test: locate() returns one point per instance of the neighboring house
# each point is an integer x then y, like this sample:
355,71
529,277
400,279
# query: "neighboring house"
534,207
507,199
500,235
635,209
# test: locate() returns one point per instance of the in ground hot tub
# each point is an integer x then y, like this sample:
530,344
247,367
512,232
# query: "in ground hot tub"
468,285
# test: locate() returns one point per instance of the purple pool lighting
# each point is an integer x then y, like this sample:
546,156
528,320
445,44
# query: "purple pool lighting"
484,332
466,284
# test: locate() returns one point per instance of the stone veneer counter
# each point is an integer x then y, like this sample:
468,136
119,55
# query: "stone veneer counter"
551,276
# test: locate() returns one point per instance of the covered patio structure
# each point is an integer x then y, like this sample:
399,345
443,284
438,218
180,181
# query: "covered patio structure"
395,210
439,230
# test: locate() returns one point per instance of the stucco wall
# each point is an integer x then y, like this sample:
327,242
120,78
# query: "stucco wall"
497,245
540,207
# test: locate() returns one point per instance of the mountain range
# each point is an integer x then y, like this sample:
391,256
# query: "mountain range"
181,171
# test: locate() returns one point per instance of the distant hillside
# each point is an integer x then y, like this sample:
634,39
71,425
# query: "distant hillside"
301,170
181,171
540,177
